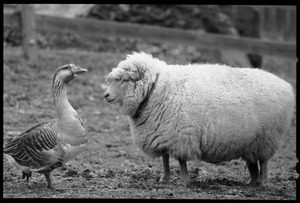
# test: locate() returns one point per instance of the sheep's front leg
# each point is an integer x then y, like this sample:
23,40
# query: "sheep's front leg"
166,169
263,171
184,174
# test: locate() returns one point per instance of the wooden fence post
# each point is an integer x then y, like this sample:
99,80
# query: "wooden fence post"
28,32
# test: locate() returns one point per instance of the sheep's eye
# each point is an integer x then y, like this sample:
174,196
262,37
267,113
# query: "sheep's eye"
124,81
108,80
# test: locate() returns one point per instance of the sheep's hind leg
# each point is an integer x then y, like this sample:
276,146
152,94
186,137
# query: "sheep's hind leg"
263,171
166,169
254,173
184,176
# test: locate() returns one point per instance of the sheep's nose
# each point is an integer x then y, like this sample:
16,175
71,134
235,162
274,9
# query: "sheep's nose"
106,95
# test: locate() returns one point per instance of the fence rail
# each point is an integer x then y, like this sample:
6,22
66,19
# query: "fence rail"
92,28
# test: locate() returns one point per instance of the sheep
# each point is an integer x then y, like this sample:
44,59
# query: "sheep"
210,112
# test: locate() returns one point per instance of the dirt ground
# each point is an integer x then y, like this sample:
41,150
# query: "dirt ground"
114,167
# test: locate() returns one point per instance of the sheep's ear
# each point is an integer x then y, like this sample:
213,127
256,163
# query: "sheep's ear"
131,76
135,75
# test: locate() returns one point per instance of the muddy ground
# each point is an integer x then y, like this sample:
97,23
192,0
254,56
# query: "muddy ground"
113,167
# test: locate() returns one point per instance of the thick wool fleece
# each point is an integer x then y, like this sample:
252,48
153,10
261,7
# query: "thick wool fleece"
202,111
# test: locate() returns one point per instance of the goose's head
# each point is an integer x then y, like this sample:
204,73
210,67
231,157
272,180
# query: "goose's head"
67,73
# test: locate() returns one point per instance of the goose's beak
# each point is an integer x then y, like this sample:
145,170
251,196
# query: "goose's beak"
77,70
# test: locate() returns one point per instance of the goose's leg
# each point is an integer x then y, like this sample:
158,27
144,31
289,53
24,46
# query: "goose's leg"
26,174
166,173
47,175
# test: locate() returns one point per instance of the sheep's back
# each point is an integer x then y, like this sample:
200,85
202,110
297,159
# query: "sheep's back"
235,93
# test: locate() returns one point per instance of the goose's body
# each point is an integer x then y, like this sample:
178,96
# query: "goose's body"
52,143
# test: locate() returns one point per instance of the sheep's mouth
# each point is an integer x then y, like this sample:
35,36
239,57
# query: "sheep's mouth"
109,101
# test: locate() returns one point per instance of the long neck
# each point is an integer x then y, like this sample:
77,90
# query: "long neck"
63,106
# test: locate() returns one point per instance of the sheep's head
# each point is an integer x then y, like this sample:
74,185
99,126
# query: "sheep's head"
129,84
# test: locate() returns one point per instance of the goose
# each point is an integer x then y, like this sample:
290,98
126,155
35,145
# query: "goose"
50,144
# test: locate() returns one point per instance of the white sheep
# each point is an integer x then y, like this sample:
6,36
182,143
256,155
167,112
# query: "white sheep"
209,112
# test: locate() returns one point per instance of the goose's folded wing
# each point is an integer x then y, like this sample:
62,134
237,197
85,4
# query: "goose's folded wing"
34,147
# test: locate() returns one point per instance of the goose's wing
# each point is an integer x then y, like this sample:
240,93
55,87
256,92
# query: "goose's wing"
35,147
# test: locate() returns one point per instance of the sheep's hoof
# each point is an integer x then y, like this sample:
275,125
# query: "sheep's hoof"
184,182
164,180
255,183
